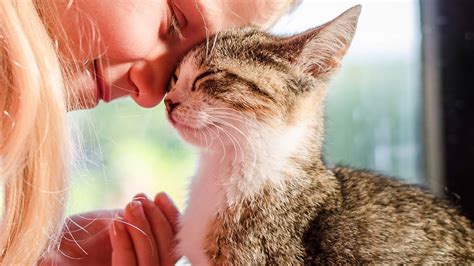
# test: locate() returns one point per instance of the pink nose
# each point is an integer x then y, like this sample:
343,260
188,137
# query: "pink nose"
170,105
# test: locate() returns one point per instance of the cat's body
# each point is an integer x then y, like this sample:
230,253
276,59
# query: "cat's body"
321,216
253,104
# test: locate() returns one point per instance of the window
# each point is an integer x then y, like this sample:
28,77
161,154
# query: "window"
448,52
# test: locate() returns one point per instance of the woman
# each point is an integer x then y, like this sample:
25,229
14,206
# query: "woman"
59,55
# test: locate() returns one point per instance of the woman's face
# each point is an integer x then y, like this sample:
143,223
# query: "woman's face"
131,47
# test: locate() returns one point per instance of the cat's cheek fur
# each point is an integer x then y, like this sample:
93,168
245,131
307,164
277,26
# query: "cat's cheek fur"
187,117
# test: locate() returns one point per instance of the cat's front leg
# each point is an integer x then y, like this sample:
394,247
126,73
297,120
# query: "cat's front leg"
190,246
231,244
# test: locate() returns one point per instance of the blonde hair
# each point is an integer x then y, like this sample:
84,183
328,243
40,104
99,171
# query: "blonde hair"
269,11
34,141
261,13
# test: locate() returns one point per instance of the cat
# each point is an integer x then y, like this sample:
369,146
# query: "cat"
253,105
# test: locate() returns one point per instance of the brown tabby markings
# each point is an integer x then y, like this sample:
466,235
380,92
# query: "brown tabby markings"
317,215
348,216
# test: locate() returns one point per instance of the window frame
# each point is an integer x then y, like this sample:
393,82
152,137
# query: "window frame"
448,97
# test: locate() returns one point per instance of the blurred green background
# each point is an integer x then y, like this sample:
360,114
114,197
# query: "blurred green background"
373,115
124,150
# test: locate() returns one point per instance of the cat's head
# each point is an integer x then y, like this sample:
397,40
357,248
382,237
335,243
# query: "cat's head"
243,84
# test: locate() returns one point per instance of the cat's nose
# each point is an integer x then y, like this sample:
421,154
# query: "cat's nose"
170,105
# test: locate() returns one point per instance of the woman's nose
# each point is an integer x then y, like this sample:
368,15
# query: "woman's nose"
150,84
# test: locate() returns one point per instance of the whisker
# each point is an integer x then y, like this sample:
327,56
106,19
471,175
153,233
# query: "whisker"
246,138
230,114
235,118
223,146
208,132
249,122
227,113
202,136
234,141
222,108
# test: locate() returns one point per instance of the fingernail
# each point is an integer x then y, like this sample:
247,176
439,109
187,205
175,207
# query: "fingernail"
141,196
135,207
117,225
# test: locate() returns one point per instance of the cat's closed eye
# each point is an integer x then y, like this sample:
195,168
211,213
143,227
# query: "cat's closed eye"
203,75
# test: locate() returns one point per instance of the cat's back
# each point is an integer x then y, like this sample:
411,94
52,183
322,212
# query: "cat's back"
383,220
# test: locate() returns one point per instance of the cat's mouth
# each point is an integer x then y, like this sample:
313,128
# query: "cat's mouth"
200,135
180,126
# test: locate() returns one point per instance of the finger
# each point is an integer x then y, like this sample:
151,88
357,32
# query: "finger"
123,253
140,232
162,230
167,206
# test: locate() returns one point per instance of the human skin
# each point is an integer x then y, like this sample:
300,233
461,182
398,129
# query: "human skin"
137,52
129,48
136,235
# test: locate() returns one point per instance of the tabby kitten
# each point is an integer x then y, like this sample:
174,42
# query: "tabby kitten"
253,104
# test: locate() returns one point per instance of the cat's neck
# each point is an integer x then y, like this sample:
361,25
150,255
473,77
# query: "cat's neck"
270,158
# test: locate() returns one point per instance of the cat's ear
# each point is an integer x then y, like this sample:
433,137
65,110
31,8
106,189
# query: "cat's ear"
319,51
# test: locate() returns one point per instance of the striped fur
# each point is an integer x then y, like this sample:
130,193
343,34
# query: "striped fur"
253,104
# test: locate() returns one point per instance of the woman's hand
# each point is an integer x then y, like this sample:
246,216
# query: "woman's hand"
145,235
141,234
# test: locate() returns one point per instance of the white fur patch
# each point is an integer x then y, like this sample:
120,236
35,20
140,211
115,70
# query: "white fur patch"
219,183
205,198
